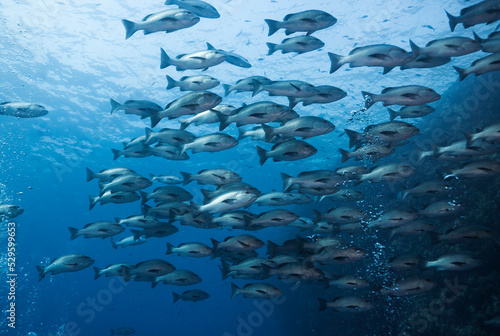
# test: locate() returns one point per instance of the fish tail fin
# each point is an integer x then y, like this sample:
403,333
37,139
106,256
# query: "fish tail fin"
234,290
272,48
215,248
115,106
165,59
130,28
354,137
74,232
155,119
262,155
154,283
257,87
469,137
149,134
126,274
90,175
97,272
241,134
171,83
336,60
453,20
92,201
345,155
177,297
225,269
317,216
169,249
322,304
292,102
368,97
415,50
116,153
268,131
287,181
272,249
392,114
196,208
113,244
184,125
186,178
41,272
478,39
461,73
144,197
404,192
137,234
206,195
152,177
145,210
227,89
274,26
224,122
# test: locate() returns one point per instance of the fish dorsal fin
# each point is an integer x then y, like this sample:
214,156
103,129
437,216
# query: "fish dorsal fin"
183,78
210,47
288,16
146,17
243,243
387,89
180,56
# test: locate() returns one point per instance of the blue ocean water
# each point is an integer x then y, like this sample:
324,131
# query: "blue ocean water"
72,57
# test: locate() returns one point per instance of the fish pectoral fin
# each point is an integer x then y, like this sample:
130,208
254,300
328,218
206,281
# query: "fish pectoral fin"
308,20
304,129
118,197
458,263
261,291
277,199
218,176
230,201
324,180
452,46
199,58
381,57
410,95
128,184
258,115
71,264
212,144
243,243
295,87
191,107
291,154
302,44
388,133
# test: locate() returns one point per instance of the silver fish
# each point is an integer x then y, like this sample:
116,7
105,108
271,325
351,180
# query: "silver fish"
102,229
425,189
326,94
198,60
137,221
394,218
128,241
312,179
446,47
379,55
256,291
147,270
347,304
372,152
298,44
108,175
290,150
193,250
465,234
342,215
489,45
307,21
288,88
177,278
200,8
246,84
390,131
232,58
142,108
413,229
167,194
208,117
159,230
237,219
409,286
166,179
411,112
226,202
132,182
9,211
344,195
388,173
169,136
483,168
216,177
489,133
118,197
193,295
110,270
405,262
454,262
440,208
193,83
304,127
425,62
211,143
65,264
22,110
487,11
168,21
277,217
410,95
481,66
239,243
